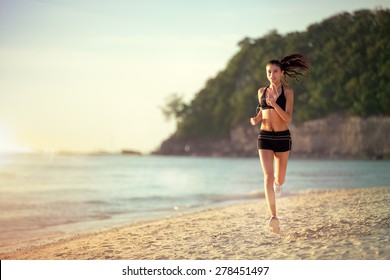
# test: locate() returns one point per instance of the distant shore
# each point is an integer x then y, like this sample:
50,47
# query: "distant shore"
339,224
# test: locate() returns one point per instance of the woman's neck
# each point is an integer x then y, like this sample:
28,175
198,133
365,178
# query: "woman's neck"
276,85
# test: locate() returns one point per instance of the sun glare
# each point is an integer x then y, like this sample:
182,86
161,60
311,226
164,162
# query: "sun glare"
7,142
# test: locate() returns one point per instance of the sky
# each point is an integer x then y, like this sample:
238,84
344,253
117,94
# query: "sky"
91,75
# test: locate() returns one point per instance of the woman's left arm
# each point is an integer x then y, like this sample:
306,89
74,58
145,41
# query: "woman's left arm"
286,115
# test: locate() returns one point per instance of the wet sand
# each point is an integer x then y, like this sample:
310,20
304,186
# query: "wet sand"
333,225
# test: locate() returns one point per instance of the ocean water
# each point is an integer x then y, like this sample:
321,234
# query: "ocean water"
44,197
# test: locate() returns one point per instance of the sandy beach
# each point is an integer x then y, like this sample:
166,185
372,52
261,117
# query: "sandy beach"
341,224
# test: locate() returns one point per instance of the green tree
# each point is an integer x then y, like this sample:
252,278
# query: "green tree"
350,74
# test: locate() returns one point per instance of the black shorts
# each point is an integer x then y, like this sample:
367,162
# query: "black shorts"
277,141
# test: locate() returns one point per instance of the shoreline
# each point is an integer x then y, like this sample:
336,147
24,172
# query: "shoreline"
333,224
68,231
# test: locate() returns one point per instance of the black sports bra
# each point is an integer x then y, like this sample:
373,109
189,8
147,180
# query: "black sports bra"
281,101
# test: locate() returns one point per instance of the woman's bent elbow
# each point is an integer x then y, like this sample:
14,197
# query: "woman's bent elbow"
288,119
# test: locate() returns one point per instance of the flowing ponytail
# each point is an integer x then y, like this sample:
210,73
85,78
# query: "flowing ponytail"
291,65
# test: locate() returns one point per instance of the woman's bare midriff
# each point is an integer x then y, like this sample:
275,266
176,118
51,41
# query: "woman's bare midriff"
271,121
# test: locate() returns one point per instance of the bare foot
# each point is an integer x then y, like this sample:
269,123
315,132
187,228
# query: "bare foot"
274,225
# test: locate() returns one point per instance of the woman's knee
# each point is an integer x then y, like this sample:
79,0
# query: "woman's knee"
269,177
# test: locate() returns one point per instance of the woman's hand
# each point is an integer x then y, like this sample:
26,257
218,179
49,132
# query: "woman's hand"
270,100
255,120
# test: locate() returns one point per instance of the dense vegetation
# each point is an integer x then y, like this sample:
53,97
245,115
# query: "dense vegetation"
350,60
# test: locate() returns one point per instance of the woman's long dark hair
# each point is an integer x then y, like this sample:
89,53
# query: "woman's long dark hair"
291,65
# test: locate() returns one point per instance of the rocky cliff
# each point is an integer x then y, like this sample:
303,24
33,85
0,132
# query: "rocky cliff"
333,137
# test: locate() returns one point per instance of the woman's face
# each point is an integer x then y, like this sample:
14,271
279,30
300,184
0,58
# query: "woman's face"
274,73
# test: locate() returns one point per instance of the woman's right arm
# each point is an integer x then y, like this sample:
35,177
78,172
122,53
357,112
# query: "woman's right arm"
255,120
